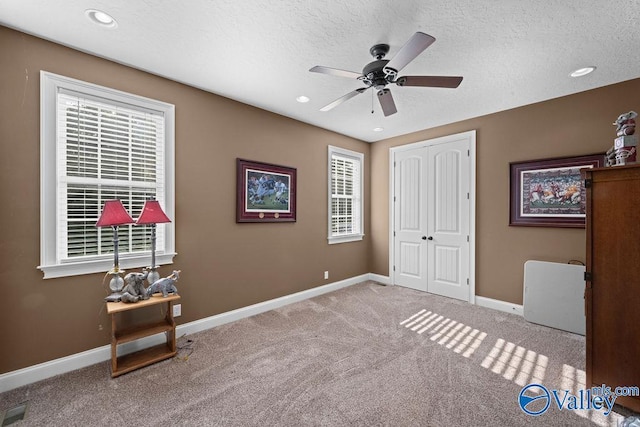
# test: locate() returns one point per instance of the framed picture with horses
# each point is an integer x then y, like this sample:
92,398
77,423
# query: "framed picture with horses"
550,192
265,192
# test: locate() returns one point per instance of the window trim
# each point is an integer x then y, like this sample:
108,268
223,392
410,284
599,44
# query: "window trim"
360,158
51,264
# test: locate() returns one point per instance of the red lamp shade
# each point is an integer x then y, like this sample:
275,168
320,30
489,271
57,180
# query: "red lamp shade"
152,213
113,213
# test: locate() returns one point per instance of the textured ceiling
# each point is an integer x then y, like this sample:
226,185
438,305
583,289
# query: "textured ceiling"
510,53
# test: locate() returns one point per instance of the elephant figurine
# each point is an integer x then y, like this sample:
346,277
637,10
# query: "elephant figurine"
166,285
134,290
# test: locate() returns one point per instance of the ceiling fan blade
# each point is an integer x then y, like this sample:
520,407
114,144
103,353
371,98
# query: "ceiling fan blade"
429,81
414,47
386,102
343,98
335,72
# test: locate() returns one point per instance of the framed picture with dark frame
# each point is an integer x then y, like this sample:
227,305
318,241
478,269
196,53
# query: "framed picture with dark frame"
265,192
550,192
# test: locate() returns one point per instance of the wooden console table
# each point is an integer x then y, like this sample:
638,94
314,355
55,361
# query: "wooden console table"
120,335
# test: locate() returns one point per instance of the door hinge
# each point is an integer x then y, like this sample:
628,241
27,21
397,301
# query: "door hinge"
467,238
394,198
587,183
588,277
394,163
394,268
394,234
467,196
468,153
467,280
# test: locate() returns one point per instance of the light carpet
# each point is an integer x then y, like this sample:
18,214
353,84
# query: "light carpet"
366,355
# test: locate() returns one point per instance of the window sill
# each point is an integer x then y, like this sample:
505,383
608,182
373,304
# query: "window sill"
345,239
102,265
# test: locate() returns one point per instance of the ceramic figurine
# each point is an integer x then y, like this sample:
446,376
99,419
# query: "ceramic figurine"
166,285
626,123
134,290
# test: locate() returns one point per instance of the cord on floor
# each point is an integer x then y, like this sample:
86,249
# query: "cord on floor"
185,349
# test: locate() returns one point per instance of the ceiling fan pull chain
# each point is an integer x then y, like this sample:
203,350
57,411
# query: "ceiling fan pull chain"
371,102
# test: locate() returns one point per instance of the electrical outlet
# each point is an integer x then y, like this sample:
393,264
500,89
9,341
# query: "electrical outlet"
326,275
177,310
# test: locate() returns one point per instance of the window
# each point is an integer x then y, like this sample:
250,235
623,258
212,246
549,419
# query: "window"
99,144
345,195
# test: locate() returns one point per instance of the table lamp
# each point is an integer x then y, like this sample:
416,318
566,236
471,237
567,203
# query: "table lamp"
113,215
152,214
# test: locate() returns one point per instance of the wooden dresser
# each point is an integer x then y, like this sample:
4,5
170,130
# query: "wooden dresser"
612,293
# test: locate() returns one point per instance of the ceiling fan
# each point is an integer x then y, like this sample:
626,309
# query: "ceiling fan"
381,72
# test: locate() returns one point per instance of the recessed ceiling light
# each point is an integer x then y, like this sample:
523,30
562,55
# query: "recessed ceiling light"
378,129
101,18
582,71
302,99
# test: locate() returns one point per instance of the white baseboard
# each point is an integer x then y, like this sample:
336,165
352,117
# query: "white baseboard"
385,280
31,374
495,304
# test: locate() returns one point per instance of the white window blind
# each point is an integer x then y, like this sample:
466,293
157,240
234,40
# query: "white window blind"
99,144
107,151
345,195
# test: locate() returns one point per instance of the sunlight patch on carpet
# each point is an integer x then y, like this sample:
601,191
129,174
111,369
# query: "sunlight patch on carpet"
513,362
574,380
456,336
522,366
516,363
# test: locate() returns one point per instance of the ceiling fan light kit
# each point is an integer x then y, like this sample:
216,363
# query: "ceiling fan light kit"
381,72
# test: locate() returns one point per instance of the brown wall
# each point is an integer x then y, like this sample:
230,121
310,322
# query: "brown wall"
568,126
46,319
224,265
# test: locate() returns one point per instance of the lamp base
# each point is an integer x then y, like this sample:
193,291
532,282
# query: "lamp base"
113,297
116,284
153,276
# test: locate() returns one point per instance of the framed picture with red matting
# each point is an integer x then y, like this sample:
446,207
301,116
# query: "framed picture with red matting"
550,192
265,192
